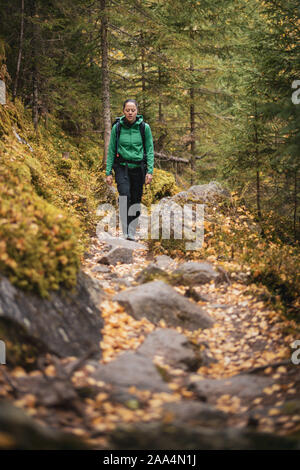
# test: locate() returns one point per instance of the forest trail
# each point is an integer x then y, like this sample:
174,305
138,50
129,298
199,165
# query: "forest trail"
162,386
247,340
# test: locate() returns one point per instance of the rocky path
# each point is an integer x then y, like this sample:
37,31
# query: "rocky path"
191,358
244,378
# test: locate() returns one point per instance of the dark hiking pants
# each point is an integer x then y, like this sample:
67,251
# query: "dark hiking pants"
130,186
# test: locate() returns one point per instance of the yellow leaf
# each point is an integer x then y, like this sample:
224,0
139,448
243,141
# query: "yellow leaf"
101,397
50,371
18,372
273,412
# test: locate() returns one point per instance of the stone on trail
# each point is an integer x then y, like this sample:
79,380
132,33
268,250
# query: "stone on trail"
101,269
122,282
174,347
137,368
164,261
193,413
194,273
157,301
118,254
128,369
150,273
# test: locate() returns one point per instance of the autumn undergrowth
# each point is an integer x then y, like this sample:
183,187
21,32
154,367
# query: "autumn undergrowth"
163,185
250,250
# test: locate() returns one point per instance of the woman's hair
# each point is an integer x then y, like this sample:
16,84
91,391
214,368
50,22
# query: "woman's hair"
131,101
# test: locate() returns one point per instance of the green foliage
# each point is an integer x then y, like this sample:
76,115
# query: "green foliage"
163,185
63,167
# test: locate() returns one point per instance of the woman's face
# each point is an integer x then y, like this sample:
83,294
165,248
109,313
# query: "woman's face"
130,111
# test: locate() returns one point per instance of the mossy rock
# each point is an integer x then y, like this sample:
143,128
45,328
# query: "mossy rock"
39,248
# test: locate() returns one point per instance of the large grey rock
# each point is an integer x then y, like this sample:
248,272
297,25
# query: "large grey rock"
203,193
120,254
243,386
174,347
66,324
131,369
182,215
194,273
157,300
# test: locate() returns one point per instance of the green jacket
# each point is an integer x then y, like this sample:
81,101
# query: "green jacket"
131,145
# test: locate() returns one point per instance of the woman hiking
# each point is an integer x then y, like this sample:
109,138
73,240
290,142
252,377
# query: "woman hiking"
131,155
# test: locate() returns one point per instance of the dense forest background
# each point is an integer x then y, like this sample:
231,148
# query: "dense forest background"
216,80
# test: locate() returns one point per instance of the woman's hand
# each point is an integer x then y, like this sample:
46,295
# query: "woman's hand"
148,178
109,179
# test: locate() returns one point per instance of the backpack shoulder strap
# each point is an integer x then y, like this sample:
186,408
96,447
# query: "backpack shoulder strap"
142,131
115,122
118,130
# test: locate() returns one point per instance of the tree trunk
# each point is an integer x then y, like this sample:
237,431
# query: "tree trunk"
192,119
160,113
105,78
20,51
258,198
161,126
258,194
35,89
143,76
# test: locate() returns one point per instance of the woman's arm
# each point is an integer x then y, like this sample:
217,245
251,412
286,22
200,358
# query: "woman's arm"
149,149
